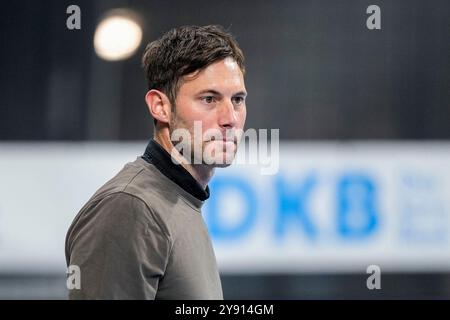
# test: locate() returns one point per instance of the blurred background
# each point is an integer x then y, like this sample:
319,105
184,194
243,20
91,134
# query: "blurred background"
364,120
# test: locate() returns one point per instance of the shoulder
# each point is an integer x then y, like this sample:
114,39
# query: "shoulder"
118,213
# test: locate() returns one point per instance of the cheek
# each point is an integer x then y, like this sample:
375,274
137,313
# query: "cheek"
208,118
208,124
191,118
191,111
242,117
185,116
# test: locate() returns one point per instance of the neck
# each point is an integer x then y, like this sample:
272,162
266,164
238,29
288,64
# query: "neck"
201,172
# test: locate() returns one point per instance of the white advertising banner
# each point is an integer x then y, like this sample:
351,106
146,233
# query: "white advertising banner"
328,207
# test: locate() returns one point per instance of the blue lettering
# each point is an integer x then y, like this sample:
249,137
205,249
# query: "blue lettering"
292,203
356,206
217,228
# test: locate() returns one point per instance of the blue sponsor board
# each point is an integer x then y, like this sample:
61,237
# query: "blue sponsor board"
356,214
328,208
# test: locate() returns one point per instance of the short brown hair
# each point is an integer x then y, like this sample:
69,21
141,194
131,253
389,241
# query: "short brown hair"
184,50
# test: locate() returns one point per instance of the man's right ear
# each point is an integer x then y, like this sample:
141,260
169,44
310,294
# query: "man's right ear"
159,105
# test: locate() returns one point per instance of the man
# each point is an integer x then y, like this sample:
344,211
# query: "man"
142,234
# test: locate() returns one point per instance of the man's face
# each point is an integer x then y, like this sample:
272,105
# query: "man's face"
215,99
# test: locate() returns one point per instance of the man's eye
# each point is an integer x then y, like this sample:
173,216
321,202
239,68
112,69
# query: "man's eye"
208,99
238,100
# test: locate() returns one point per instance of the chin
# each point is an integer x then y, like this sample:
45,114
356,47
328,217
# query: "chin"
221,165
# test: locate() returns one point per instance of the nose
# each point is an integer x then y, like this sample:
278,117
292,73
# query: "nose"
227,115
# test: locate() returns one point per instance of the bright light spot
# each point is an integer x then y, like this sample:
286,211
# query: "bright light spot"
117,37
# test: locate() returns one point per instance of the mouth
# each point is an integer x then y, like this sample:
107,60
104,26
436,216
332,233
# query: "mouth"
224,140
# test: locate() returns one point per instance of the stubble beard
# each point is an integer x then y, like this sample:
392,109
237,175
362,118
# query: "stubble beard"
195,158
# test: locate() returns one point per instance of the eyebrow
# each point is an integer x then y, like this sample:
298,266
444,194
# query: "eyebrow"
215,92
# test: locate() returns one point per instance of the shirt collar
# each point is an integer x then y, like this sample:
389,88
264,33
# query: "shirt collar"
161,159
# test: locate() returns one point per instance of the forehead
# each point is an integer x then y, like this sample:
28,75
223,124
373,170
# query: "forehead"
223,75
